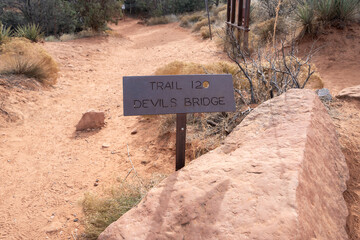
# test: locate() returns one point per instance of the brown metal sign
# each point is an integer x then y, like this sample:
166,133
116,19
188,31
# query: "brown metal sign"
149,95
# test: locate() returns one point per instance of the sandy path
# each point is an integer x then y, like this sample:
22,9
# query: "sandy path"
46,167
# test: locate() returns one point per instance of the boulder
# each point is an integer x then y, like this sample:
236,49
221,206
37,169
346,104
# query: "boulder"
350,92
279,175
91,120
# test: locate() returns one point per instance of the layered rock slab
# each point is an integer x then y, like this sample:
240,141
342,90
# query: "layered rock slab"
350,92
279,175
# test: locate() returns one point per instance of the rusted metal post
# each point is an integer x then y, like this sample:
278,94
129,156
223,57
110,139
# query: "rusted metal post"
246,25
233,11
228,27
241,24
180,140
240,20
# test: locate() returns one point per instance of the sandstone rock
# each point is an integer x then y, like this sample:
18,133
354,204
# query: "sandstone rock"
91,120
350,92
324,94
280,175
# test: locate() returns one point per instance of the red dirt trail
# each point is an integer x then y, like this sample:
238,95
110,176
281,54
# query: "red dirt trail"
45,167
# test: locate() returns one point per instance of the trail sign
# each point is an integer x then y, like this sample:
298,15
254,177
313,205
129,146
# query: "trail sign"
148,95
180,94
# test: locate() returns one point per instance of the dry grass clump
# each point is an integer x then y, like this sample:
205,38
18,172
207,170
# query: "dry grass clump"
264,31
189,19
184,68
100,212
240,81
197,20
20,56
161,20
82,34
197,26
220,9
205,32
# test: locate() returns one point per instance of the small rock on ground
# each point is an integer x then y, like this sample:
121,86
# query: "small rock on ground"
91,120
324,94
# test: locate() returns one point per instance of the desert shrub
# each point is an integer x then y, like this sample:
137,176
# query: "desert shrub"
205,32
315,13
189,19
205,130
51,38
67,37
256,79
265,30
5,34
54,16
268,7
95,14
347,9
12,19
30,31
219,9
197,26
165,7
100,212
161,20
184,68
20,56
271,71
341,10
306,14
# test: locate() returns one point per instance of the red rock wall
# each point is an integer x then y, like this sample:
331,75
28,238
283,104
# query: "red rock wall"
279,175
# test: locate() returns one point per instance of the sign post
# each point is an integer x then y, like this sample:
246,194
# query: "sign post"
180,140
178,94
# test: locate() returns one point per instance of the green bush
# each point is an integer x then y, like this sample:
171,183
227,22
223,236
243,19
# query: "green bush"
347,9
165,7
313,13
326,9
30,31
5,33
95,14
54,16
306,14
268,7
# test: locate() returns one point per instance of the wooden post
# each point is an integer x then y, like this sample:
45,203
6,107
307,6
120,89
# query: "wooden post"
180,140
